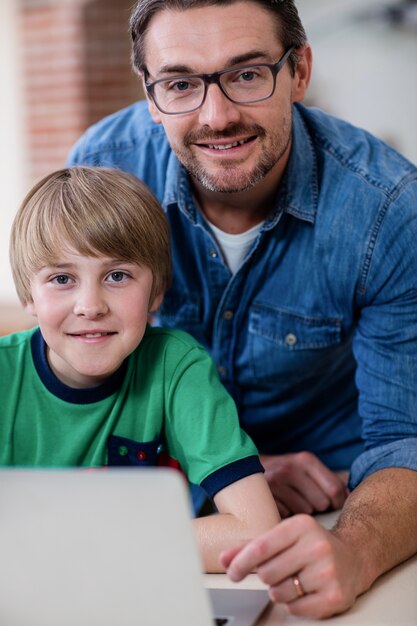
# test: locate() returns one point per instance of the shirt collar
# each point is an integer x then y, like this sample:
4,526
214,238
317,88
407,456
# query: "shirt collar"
86,395
299,190
297,193
178,189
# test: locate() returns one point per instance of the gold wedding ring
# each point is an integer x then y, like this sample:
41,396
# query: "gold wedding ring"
298,587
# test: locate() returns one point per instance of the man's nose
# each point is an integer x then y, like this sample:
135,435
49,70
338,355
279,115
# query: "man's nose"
90,303
217,110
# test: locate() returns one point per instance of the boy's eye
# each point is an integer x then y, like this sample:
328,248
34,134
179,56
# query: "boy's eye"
117,277
62,279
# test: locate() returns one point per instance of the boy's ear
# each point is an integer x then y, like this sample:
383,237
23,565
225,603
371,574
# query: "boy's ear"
31,309
157,301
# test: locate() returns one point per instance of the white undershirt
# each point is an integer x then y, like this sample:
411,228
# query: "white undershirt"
235,247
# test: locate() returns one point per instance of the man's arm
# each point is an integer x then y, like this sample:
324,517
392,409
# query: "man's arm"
246,508
379,522
377,530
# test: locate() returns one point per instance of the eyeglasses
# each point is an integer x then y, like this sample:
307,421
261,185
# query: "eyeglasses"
241,85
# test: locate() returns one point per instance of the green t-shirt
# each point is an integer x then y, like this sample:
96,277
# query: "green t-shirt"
166,398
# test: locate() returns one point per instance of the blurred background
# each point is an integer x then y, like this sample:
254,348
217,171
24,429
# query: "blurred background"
64,64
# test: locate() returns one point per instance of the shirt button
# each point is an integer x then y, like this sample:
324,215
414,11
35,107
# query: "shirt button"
290,339
221,370
141,455
123,451
228,315
213,253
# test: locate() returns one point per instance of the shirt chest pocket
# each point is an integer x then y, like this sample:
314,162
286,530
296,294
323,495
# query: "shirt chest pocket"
287,348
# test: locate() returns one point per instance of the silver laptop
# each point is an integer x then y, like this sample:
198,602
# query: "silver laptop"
106,548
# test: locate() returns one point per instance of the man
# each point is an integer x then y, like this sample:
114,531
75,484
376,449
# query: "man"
293,239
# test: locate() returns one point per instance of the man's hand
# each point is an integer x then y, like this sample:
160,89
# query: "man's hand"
300,483
319,572
326,571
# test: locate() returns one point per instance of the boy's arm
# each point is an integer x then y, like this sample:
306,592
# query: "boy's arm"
246,509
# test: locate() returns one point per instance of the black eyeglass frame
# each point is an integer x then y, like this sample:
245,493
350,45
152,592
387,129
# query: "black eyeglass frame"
209,79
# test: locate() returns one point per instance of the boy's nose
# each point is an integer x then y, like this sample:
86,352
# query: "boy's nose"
90,304
217,111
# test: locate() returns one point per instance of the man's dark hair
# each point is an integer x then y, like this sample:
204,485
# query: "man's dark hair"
290,30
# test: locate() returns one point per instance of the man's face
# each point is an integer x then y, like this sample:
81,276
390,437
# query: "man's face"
226,147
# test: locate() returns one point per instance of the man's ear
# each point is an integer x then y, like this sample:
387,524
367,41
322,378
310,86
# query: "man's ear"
302,74
151,106
153,111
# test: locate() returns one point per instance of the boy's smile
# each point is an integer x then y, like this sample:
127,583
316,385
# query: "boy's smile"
92,312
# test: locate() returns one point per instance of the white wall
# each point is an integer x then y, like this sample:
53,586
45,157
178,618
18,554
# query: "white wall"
13,174
365,72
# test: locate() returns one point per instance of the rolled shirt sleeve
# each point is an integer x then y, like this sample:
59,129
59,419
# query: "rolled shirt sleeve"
402,453
385,343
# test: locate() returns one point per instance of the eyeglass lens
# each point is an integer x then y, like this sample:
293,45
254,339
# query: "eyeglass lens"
245,85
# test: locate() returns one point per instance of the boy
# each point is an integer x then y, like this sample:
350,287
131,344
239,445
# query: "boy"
94,385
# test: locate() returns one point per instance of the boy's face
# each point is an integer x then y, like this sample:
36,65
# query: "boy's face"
92,312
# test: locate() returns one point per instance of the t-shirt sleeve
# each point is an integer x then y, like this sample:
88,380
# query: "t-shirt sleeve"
202,427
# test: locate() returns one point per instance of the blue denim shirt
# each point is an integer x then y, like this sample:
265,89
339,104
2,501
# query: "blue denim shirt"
315,336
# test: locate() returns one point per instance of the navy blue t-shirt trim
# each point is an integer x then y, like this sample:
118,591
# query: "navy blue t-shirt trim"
71,394
229,474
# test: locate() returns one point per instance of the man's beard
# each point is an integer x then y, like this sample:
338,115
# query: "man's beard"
232,178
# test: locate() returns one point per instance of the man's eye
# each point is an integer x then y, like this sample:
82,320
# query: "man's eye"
181,85
248,76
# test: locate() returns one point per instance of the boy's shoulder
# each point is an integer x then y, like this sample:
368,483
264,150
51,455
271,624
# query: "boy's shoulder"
165,354
171,337
16,340
15,358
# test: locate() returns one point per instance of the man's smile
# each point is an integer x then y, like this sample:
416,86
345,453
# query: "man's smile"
228,146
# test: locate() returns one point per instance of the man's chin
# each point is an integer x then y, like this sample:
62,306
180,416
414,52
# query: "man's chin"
227,182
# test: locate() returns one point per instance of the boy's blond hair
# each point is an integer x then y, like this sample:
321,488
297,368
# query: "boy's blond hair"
96,211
